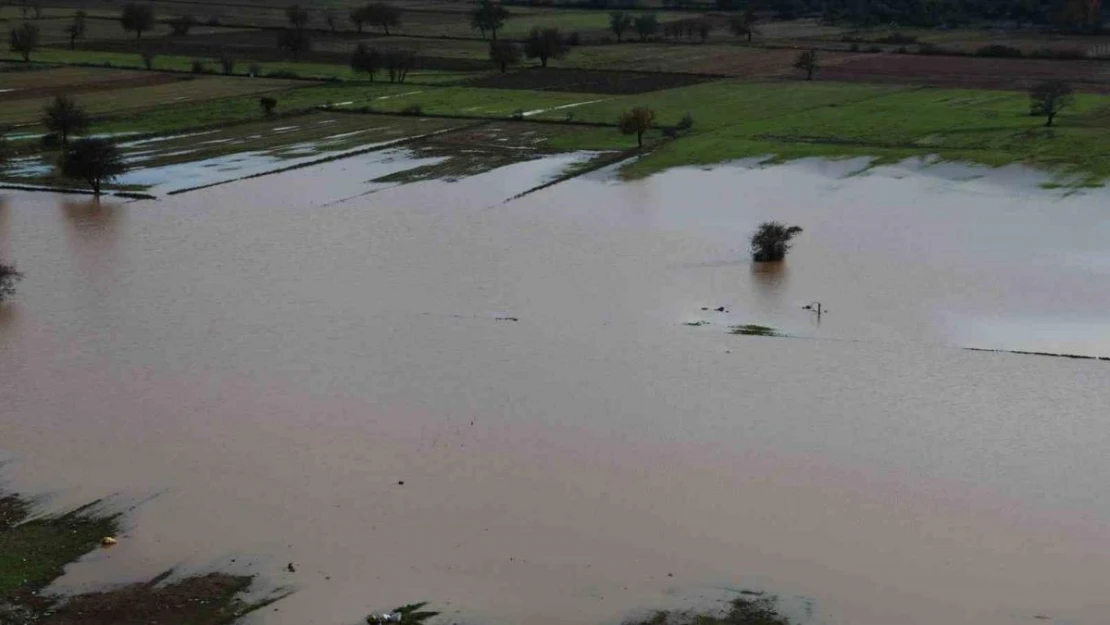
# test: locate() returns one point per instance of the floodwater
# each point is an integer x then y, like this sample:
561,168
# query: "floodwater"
292,369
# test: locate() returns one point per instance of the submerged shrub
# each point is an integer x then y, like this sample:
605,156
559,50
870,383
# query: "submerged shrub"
771,241
8,277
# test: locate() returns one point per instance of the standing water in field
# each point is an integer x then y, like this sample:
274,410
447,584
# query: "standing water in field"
429,393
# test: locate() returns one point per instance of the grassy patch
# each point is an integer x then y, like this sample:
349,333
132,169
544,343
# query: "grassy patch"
789,120
751,329
741,611
34,552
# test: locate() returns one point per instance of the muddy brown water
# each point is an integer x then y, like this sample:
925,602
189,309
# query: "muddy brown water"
258,367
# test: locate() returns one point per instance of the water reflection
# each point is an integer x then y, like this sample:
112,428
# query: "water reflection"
4,226
769,279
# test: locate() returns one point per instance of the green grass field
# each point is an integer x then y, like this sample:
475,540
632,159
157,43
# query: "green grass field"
795,119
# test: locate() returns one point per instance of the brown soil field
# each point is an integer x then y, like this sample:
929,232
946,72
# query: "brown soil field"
73,80
587,81
261,45
179,88
728,60
968,72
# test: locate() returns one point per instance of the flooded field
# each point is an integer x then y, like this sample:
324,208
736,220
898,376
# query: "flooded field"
428,392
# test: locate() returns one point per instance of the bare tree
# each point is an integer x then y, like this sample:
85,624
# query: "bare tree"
76,29
227,61
744,25
360,15
1048,98
397,64
366,59
137,18
384,15
294,41
619,23
297,15
504,53
489,16
807,62
268,105
182,25
544,44
647,25
636,121
24,39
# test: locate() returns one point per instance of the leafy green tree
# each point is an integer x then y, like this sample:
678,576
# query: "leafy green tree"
24,39
619,23
504,53
636,121
807,62
1048,98
544,44
96,161
76,29
366,59
488,17
137,18
771,241
646,25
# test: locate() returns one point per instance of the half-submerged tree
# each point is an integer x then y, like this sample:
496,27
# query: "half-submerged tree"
771,241
504,53
544,44
137,18
1048,98
65,117
8,277
807,62
366,59
619,22
489,16
76,29
96,161
636,121
24,39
